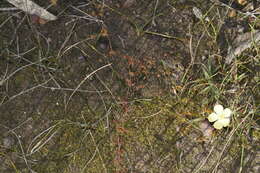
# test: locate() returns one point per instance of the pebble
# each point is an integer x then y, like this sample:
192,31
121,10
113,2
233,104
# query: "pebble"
8,142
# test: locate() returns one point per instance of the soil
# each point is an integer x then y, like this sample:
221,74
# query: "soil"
61,113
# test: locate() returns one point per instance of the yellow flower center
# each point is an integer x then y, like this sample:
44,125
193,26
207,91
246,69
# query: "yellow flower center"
221,116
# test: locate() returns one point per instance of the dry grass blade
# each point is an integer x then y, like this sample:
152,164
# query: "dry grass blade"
228,142
41,139
8,9
25,91
85,80
129,86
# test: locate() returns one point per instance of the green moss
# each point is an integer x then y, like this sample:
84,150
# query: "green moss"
73,148
151,124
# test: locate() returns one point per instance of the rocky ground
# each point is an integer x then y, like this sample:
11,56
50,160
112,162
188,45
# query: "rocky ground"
126,86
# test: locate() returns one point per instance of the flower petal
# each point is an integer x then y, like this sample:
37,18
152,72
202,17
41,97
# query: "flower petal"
213,117
225,122
218,109
227,113
218,125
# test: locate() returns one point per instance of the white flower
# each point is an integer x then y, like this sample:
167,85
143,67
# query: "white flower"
220,117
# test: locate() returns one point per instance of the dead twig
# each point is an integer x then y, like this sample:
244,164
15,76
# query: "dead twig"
31,8
241,43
